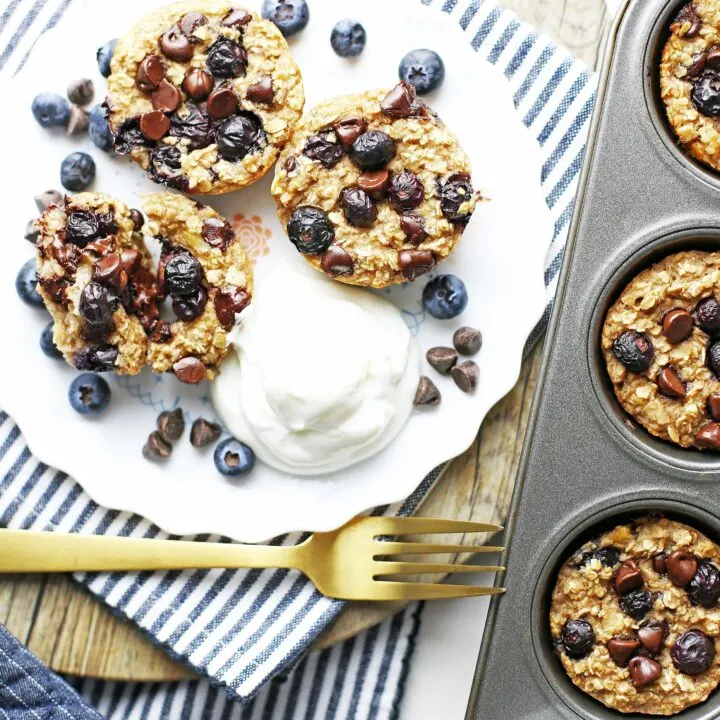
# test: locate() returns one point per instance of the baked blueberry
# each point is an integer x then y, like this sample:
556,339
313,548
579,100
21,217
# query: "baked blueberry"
183,274
706,93
424,69
310,230
445,297
634,350
693,652
348,38
373,150
99,129
607,556
96,358
89,394
26,284
239,136
324,149
226,59
636,603
457,198
290,16
358,207
189,307
578,638
704,587
51,110
405,191
233,458
77,171
96,306
104,56
47,344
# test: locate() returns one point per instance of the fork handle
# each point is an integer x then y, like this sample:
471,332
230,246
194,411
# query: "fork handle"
30,552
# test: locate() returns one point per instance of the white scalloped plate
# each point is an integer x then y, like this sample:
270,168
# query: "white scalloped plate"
500,260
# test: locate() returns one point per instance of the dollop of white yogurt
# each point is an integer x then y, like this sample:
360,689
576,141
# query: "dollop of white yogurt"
321,375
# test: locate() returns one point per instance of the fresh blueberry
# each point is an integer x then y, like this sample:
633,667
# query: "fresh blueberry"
77,171
445,297
290,16
26,284
51,110
424,69
348,38
104,56
89,394
99,129
233,458
47,344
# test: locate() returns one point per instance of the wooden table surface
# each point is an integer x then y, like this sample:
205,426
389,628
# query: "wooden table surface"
73,633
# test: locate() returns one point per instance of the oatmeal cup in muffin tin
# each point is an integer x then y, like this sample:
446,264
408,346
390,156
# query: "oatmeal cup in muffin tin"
203,95
373,189
634,617
96,278
690,79
661,343
206,275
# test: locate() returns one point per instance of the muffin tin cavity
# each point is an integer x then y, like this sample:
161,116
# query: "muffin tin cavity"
652,252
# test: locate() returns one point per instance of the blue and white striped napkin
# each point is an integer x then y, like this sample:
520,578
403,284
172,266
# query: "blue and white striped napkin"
248,632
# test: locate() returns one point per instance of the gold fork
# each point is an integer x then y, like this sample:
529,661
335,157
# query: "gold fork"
348,564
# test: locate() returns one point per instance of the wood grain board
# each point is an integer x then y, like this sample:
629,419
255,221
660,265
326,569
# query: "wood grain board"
73,633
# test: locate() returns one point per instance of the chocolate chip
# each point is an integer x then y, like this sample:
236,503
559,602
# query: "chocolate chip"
171,424
401,101
414,263
78,121
32,232
191,22
67,255
467,340
149,73
643,671
349,129
466,375
175,45
229,301
708,436
156,448
324,149
101,247
222,103
426,393
236,18
190,370
687,22
443,359
713,406
652,635
129,260
659,563
414,228
137,218
634,350
46,199
81,91
217,233
204,433
290,164
628,578
677,325
622,649
162,332
154,125
198,84
695,70
670,383
108,271
707,315
261,92
374,184
166,98
712,58
681,566
337,261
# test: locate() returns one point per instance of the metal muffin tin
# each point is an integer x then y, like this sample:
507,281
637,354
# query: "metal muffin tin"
586,465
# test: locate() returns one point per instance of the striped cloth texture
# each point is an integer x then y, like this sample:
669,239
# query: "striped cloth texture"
248,632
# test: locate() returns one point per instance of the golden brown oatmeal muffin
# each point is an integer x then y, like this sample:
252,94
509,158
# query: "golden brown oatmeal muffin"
95,276
205,272
373,189
203,95
660,349
635,620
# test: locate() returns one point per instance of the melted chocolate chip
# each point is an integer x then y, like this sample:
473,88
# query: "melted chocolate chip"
217,233
229,302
